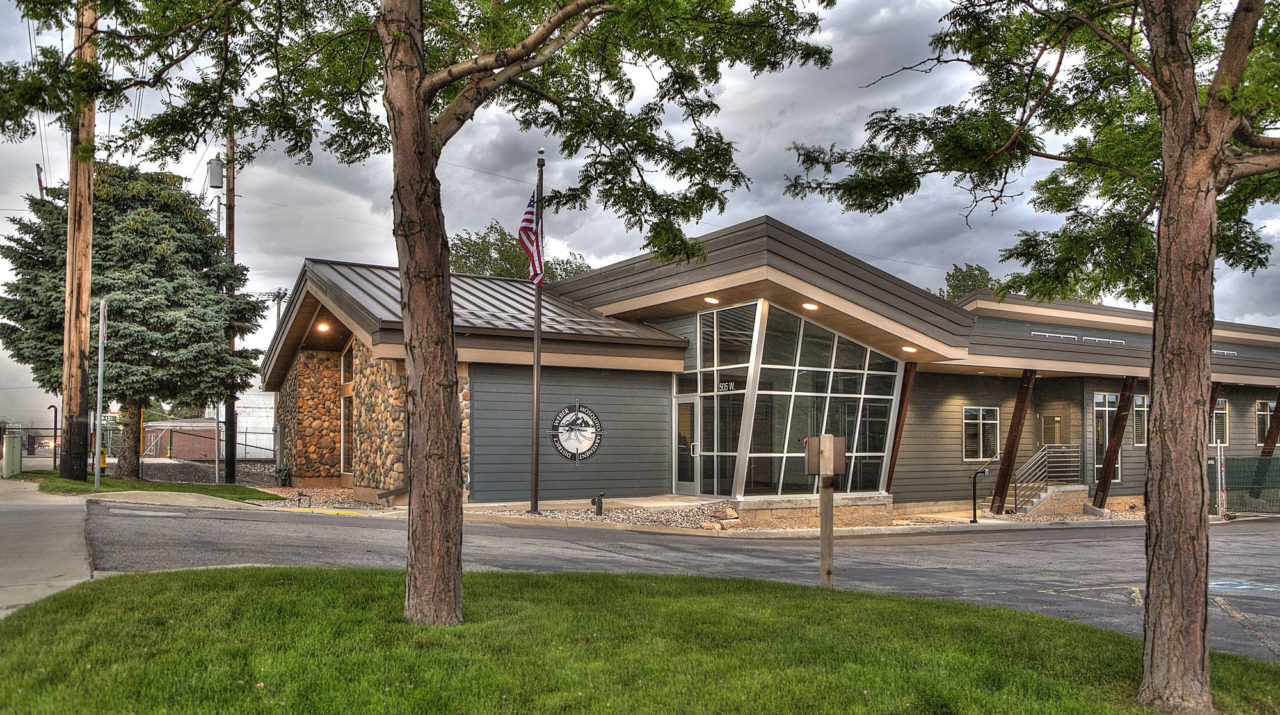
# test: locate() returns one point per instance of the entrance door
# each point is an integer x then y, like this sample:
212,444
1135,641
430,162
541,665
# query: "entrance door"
686,464
1053,429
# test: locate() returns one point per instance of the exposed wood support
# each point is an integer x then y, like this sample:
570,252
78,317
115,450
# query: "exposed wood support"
1010,453
1273,431
1114,441
908,379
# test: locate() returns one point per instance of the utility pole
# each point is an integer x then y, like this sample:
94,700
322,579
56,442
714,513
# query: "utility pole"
75,333
230,461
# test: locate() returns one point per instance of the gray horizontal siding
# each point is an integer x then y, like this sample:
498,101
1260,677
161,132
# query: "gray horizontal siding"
931,464
634,458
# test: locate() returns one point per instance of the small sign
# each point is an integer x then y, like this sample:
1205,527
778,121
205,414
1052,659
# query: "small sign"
576,432
726,386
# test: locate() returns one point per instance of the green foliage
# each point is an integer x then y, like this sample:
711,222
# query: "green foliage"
960,282
301,75
168,283
495,252
333,641
1050,88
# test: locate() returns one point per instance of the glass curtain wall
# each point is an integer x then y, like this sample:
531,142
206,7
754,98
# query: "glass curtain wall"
811,380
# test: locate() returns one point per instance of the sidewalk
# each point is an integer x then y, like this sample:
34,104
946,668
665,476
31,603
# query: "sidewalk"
42,544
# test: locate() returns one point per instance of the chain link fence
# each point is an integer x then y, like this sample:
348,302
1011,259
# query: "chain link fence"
1252,484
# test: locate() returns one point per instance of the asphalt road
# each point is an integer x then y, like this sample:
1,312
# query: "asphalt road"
1092,575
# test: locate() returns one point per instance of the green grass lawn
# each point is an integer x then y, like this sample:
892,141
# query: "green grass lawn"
51,483
316,640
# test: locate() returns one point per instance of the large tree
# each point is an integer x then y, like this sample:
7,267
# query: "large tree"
1160,116
495,252
170,291
961,281
299,74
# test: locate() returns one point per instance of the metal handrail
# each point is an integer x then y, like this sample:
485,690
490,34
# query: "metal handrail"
1032,478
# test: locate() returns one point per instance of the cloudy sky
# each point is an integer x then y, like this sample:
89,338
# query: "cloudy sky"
287,212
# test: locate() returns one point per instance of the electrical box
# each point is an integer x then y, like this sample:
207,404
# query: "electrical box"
12,454
824,454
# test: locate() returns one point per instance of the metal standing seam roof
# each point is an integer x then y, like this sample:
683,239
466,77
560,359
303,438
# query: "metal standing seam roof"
481,304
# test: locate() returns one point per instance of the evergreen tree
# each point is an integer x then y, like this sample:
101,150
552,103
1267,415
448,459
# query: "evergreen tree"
495,252
169,287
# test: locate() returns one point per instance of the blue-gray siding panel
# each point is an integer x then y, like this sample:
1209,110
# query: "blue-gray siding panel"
634,458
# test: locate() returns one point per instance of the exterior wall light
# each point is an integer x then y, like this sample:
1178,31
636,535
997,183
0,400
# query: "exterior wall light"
909,349
809,306
322,327
712,301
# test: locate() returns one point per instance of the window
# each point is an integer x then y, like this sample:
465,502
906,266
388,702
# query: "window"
1105,405
1218,427
1141,417
1226,353
981,432
1262,419
348,364
348,434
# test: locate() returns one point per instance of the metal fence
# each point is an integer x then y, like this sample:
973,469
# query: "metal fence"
1252,484
196,443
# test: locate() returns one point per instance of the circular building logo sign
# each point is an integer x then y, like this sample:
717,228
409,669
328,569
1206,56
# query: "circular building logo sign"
576,432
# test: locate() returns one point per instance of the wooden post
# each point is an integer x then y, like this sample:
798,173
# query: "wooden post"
1114,440
908,379
1273,431
229,461
830,460
75,332
1010,454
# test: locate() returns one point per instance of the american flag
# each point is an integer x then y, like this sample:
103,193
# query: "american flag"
530,236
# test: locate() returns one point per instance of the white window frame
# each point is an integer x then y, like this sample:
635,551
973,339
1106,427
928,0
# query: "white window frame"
1097,464
964,422
1264,409
1226,423
1141,415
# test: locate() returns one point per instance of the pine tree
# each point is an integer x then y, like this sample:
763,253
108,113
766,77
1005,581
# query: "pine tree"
171,291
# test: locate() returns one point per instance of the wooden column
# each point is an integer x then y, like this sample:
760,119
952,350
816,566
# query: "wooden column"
908,379
1010,453
75,320
1273,431
1113,442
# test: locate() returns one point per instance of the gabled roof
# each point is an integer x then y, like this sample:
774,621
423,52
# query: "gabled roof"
365,299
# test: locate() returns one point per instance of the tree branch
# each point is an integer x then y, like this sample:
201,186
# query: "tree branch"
1245,135
1068,159
1242,166
1235,55
478,91
506,56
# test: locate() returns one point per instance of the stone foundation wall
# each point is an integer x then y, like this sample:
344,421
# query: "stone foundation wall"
308,411
868,510
379,419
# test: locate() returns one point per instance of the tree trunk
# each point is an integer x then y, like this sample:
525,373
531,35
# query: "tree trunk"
130,440
433,578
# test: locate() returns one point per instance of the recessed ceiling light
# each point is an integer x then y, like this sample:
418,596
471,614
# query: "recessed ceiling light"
322,327
909,349
809,306
712,301
981,372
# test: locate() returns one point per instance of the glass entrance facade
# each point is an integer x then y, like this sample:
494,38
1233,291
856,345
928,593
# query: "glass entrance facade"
766,379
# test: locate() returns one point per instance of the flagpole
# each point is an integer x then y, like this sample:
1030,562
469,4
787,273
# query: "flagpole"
537,349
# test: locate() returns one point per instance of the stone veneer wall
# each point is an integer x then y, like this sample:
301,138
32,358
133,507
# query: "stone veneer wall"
308,412
380,420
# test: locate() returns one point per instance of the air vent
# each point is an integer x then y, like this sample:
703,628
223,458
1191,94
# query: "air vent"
1055,336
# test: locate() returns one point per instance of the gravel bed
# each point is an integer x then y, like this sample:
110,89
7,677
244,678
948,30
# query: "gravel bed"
684,517
1043,518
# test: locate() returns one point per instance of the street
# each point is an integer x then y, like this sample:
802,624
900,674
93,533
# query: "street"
1093,576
